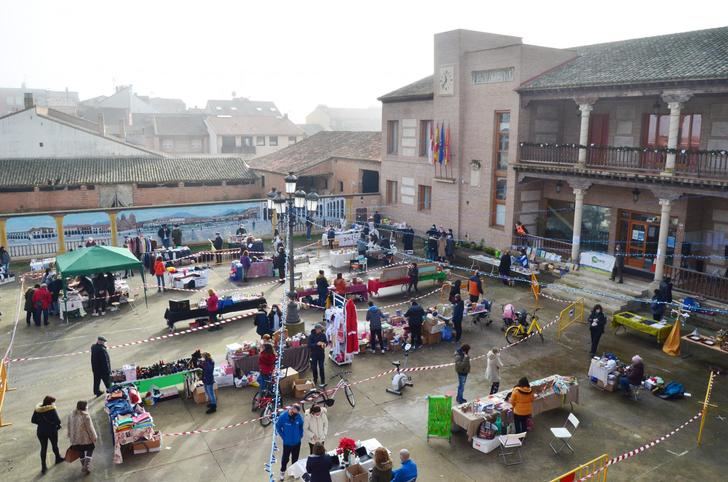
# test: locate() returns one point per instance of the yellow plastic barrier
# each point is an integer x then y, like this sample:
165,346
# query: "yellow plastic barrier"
574,313
587,469
3,388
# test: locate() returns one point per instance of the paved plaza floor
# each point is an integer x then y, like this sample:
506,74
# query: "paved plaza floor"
611,423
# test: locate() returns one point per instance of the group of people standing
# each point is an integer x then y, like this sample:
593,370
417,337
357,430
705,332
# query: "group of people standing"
440,244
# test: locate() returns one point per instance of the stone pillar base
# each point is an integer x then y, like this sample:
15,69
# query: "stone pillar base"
295,328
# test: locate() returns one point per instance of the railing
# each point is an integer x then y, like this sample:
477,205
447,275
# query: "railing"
701,284
561,248
689,163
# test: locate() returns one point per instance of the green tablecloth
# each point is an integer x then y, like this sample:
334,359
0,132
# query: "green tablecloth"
163,381
659,330
437,276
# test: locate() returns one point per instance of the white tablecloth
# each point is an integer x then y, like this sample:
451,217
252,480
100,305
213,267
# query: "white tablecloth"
75,302
299,468
341,258
599,372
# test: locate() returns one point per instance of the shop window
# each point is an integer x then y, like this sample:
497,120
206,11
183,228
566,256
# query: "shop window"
392,137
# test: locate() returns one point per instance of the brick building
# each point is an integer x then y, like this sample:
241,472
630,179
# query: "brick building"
627,141
327,162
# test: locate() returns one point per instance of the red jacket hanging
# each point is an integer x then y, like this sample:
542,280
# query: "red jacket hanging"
352,325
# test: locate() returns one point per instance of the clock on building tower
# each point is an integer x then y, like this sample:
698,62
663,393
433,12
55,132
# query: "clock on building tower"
446,82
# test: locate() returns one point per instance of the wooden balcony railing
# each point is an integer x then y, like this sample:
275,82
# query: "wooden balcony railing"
697,283
688,163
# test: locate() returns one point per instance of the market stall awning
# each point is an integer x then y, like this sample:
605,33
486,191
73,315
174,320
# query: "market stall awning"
96,259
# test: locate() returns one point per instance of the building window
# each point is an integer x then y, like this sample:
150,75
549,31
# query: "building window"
493,76
273,140
425,126
657,126
391,194
196,145
167,144
392,137
341,186
247,141
500,158
259,140
424,198
262,181
291,140
228,144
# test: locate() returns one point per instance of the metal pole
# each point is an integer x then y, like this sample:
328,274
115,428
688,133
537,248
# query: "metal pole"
291,223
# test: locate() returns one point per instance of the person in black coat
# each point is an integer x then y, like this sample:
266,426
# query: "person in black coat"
46,418
100,365
415,316
317,342
322,287
408,238
458,310
261,322
597,322
618,264
318,464
666,290
217,243
280,263
504,268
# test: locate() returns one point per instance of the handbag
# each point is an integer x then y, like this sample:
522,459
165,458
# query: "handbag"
72,454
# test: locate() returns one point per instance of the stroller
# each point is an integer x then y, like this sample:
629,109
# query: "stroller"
511,316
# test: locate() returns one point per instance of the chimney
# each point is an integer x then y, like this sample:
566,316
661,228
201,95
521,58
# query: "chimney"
122,129
28,98
101,126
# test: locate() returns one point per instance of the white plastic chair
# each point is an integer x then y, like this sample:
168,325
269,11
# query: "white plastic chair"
514,442
563,434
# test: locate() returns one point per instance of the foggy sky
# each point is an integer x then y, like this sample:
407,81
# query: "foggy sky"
295,53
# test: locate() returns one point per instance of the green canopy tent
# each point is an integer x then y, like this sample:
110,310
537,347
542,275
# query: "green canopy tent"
96,259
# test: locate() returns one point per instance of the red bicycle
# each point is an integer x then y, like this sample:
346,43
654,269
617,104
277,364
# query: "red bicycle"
264,402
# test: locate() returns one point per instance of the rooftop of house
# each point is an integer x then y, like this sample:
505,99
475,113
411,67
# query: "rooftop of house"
321,147
179,125
121,170
242,106
253,125
421,90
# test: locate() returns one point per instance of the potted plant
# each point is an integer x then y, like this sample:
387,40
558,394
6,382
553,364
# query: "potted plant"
346,448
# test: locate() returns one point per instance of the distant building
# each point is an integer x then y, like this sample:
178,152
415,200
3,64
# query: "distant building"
327,162
251,136
170,133
42,132
13,100
242,107
345,119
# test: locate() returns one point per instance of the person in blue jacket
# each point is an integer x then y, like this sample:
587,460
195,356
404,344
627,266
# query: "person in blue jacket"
208,380
261,322
289,428
408,470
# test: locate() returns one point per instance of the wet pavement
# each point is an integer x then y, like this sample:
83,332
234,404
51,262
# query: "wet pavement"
610,423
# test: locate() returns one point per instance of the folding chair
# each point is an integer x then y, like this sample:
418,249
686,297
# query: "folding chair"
563,435
513,441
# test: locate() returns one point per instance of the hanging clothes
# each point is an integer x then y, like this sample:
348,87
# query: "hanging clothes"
352,325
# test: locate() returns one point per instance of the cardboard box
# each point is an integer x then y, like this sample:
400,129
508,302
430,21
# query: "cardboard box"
431,338
199,395
356,473
610,387
301,387
147,446
286,384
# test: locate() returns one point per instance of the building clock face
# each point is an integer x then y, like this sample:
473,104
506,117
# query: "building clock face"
447,80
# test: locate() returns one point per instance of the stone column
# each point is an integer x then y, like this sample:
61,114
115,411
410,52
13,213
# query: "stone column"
675,101
586,105
580,187
113,228
60,234
4,234
665,208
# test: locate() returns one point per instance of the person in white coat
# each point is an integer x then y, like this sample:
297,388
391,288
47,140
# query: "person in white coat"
492,370
316,426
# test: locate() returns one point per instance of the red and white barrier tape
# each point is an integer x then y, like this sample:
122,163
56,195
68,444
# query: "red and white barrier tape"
224,321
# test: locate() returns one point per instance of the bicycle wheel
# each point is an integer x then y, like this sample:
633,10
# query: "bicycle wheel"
267,415
314,397
513,334
256,401
349,395
540,333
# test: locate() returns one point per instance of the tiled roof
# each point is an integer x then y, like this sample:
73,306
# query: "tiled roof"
421,90
121,170
252,125
180,125
321,147
242,106
697,55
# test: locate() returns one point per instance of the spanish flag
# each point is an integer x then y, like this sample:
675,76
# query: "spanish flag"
436,153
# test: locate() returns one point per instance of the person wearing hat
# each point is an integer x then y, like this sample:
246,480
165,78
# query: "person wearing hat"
289,428
100,365
217,244
317,347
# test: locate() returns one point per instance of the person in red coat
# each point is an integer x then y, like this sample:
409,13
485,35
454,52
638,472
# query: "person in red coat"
266,366
41,304
212,302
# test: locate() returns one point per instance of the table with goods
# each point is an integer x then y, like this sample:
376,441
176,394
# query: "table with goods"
259,268
342,238
550,393
348,464
131,424
658,329
180,309
717,343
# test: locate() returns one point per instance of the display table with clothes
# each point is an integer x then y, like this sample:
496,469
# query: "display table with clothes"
293,357
225,305
341,258
344,238
516,269
258,269
359,289
550,393
338,473
174,254
187,278
658,329
130,422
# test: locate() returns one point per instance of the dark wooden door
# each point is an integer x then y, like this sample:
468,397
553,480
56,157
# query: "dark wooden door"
598,136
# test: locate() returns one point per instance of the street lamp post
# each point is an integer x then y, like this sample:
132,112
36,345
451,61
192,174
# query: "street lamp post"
295,201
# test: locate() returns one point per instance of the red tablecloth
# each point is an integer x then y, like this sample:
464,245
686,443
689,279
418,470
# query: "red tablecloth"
351,289
373,285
